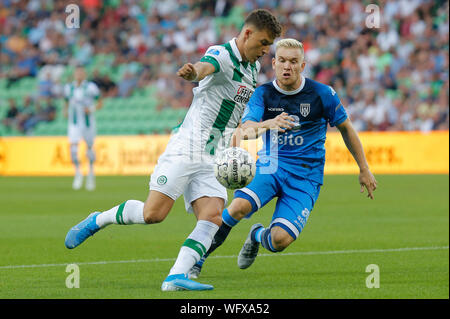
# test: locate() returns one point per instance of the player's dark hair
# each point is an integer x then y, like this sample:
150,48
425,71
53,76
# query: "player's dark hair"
263,19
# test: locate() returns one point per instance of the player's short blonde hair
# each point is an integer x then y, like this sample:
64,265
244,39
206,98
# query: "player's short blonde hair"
290,43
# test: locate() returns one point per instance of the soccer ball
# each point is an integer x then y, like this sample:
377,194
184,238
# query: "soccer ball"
234,168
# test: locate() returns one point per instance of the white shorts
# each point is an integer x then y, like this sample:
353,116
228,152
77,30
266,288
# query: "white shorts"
177,175
76,133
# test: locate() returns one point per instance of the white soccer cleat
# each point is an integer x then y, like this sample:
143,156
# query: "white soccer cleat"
90,182
77,181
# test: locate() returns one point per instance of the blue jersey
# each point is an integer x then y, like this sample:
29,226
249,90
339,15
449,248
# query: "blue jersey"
300,150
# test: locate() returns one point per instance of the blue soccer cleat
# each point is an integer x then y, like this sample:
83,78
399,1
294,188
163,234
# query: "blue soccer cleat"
181,282
80,232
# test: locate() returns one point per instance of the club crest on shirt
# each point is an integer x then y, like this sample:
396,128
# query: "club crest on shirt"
304,109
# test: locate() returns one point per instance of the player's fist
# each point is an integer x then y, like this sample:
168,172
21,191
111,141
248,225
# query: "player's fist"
281,123
187,72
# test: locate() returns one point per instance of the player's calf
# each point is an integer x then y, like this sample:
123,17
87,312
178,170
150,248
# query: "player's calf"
157,207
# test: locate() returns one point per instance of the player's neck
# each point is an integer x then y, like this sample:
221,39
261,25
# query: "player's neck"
240,46
292,87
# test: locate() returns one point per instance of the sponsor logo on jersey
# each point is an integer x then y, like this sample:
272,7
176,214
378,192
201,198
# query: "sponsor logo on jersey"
243,94
213,52
290,139
276,109
304,109
305,212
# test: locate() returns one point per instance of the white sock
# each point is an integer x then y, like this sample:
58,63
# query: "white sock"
127,213
195,246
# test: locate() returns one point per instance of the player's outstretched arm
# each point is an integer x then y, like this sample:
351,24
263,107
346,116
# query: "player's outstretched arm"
195,72
99,104
353,143
251,129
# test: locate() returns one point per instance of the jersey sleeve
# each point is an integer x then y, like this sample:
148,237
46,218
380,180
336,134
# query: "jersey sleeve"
215,55
254,110
93,91
334,110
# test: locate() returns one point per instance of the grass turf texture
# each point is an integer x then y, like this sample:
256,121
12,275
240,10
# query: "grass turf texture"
408,211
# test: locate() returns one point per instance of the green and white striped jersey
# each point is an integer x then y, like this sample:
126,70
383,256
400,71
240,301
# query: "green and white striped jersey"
218,103
81,97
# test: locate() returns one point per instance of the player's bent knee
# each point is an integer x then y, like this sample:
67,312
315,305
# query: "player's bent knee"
209,208
212,215
281,240
152,216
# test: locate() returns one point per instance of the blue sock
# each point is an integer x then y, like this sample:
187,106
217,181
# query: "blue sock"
256,235
266,240
227,219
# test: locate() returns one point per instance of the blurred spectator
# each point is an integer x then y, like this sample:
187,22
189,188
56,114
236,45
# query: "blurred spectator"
45,86
26,65
127,84
26,112
10,120
41,114
105,84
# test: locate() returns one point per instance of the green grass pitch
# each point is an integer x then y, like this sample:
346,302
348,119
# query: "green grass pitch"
405,231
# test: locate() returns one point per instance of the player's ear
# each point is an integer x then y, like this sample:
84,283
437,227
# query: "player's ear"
302,66
247,32
273,63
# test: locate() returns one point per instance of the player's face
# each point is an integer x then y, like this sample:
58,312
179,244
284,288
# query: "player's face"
257,43
79,75
288,65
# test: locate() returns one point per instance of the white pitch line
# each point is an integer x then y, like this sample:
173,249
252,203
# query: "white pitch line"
304,253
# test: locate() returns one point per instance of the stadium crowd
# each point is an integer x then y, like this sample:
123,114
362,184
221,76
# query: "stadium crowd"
391,77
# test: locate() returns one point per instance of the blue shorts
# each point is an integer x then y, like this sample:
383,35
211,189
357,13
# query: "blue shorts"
296,198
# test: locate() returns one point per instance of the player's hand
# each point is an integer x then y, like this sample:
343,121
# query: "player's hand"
187,72
281,123
87,110
367,180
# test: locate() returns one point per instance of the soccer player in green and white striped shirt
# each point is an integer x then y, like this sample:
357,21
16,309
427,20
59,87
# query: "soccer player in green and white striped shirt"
82,100
227,76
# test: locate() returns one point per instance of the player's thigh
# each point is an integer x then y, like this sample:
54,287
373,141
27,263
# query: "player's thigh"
74,134
292,210
167,182
262,189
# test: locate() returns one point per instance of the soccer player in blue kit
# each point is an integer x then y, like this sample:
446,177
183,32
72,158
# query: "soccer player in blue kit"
292,114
